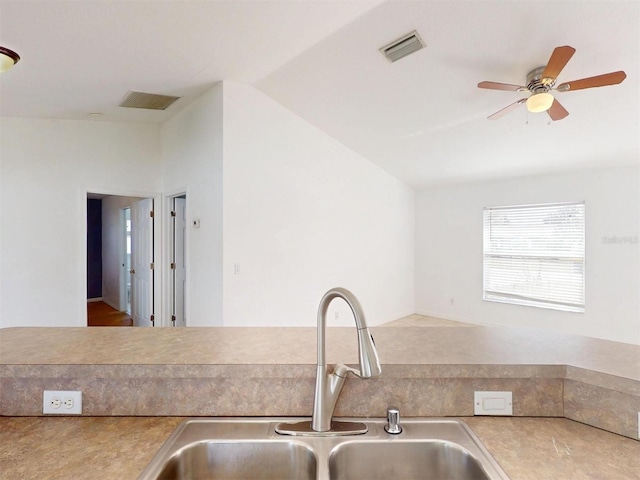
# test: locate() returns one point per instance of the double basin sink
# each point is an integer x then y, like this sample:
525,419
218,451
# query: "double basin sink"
249,448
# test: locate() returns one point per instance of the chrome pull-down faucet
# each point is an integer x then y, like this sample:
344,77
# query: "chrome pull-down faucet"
329,385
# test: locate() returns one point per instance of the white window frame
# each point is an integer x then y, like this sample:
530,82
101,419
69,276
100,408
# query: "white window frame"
529,261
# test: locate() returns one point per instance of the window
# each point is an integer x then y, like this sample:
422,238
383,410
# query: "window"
534,255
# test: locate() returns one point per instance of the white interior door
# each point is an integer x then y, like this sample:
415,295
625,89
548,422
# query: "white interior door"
125,277
179,271
142,272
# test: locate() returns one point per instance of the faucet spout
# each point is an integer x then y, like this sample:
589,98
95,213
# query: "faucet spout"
329,385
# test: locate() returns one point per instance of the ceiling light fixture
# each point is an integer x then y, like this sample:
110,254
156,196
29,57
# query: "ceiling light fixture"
8,58
539,102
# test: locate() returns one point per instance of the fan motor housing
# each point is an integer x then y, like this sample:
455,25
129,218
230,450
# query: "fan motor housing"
536,83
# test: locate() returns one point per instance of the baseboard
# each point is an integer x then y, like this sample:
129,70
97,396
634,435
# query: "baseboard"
111,304
95,299
454,319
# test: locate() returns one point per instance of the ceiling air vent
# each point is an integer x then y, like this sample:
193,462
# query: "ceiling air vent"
150,101
400,48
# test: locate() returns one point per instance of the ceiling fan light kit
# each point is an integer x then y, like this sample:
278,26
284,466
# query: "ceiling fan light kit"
541,81
539,102
8,58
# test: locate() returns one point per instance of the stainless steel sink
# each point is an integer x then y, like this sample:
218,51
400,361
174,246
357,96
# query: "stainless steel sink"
241,460
415,460
249,448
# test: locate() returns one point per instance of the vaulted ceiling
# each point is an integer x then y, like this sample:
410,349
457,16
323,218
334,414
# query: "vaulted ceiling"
422,119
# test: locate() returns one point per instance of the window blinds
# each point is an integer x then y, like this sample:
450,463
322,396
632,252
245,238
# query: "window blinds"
534,255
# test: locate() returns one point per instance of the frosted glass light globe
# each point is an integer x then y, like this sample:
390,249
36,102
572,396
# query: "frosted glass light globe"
539,102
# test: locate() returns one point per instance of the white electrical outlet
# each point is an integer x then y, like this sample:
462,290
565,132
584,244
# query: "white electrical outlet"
493,403
62,402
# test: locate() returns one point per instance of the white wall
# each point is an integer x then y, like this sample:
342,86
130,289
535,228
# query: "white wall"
192,163
449,252
113,247
47,168
302,214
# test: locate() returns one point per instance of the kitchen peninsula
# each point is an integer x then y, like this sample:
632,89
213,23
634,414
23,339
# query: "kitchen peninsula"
433,371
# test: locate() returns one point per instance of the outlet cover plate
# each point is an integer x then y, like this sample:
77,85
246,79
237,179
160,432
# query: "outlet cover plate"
62,402
493,403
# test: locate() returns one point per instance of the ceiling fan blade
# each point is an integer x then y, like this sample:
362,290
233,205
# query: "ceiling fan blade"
612,78
500,86
557,111
506,110
559,58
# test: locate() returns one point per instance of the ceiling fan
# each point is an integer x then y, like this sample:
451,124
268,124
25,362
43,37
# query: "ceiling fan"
541,80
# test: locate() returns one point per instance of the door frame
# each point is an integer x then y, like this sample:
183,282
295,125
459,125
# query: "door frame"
157,245
167,241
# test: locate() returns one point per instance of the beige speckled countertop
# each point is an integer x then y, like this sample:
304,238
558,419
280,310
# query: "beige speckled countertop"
119,448
271,371
282,346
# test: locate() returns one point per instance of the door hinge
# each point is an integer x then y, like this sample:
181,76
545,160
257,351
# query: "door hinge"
173,318
151,213
173,213
173,266
153,320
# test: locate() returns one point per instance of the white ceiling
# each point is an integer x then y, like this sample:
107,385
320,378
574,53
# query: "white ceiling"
422,118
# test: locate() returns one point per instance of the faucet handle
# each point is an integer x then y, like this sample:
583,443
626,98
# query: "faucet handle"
393,421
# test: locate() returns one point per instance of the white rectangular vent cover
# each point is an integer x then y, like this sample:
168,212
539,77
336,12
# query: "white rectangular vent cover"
403,46
150,101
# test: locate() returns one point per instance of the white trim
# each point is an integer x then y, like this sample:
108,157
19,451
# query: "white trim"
167,241
115,307
94,299
452,318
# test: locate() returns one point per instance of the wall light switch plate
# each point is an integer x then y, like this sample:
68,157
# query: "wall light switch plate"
62,402
493,403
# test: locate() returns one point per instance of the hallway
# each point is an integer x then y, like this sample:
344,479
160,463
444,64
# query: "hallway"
99,314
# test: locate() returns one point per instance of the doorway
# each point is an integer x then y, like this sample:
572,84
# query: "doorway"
125,281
